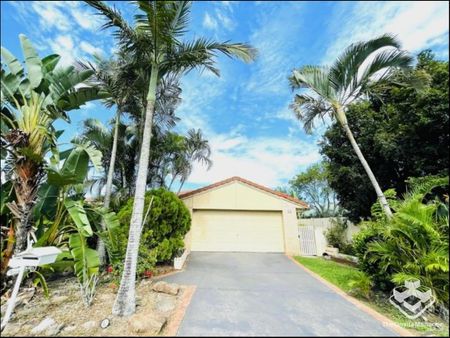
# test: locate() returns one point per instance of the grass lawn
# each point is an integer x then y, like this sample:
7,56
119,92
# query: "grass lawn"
336,273
340,274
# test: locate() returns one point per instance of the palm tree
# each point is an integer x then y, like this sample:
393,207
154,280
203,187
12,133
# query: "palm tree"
119,79
156,38
101,137
335,88
32,98
197,150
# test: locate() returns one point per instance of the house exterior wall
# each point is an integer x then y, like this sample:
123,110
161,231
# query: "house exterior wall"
239,196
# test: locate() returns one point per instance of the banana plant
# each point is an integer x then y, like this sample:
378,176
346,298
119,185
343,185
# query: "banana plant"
33,96
65,219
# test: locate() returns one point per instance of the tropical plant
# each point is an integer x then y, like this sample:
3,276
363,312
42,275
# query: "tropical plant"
157,39
32,98
393,129
196,150
349,78
361,285
414,242
63,218
119,79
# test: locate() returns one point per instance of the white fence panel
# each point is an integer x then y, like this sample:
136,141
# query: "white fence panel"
319,226
307,240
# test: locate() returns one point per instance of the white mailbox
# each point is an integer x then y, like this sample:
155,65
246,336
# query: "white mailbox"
30,258
35,257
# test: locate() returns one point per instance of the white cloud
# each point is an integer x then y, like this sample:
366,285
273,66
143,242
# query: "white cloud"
265,160
226,22
63,45
417,25
90,49
85,19
51,15
220,19
209,22
275,42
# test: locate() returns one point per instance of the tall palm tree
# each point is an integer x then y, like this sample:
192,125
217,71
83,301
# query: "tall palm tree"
197,150
156,38
120,80
335,88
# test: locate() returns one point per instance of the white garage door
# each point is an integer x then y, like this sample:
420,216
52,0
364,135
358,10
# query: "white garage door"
252,231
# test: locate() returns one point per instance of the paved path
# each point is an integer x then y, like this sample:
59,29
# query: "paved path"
265,294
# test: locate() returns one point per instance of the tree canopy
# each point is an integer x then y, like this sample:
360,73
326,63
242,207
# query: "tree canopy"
312,187
402,131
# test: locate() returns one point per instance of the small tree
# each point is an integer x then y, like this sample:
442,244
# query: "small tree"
166,223
312,187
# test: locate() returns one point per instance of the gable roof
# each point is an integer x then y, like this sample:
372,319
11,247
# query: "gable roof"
250,183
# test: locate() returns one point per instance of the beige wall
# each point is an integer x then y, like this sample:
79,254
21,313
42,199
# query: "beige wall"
239,196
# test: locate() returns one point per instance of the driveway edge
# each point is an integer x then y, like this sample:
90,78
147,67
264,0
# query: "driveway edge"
387,322
177,317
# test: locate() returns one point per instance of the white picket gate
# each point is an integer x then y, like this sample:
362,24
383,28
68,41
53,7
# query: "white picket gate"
307,237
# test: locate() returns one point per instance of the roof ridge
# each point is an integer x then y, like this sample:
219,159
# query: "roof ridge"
248,182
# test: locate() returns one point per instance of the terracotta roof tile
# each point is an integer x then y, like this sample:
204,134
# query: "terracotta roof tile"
240,179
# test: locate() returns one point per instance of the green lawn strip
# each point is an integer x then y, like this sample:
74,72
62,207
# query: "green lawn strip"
336,273
340,275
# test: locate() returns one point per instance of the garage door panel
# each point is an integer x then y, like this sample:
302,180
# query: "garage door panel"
251,231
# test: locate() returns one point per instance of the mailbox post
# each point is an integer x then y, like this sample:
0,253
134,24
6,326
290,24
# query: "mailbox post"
28,259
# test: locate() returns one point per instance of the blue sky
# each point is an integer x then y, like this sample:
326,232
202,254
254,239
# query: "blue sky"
244,113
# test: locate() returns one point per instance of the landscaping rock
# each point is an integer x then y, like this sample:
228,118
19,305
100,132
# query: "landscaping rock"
12,329
164,303
89,325
145,282
164,287
69,329
26,295
150,324
59,300
46,324
54,330
23,298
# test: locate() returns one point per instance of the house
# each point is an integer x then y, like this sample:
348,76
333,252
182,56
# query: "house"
237,215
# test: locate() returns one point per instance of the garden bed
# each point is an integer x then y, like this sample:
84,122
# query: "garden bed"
64,313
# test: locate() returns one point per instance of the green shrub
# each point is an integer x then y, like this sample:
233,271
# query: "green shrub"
165,226
370,232
361,285
413,244
335,236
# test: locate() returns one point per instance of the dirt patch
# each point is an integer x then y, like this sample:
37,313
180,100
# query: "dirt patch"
65,314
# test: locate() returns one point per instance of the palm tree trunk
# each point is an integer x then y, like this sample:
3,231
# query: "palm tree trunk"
125,303
109,180
171,182
124,177
384,203
181,186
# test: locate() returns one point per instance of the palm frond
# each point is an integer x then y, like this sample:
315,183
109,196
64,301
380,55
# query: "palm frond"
345,68
200,53
347,75
315,78
114,19
307,109
388,61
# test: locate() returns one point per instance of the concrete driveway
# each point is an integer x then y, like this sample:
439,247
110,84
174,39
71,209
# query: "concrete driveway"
265,295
